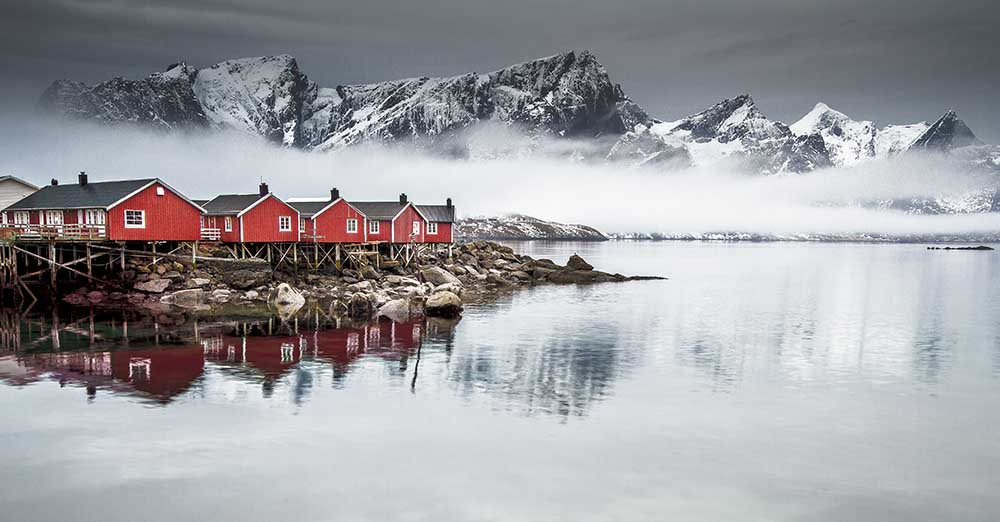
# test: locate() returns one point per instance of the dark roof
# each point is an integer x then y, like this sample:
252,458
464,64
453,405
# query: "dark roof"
230,203
378,210
308,208
199,202
96,194
438,213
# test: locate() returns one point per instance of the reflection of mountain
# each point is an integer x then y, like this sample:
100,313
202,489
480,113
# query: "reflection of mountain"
562,371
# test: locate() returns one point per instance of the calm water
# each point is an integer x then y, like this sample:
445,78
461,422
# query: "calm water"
814,382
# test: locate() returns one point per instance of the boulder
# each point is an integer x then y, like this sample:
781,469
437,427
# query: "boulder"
360,306
369,272
220,295
96,296
201,281
577,263
244,279
286,295
443,304
360,286
438,276
398,310
190,298
252,295
173,274
155,286
449,287
580,277
521,276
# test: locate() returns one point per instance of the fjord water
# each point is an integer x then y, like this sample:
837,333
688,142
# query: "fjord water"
785,381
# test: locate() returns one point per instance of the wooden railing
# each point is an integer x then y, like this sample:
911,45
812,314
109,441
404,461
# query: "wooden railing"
211,234
69,231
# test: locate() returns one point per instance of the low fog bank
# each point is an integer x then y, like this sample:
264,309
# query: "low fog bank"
609,197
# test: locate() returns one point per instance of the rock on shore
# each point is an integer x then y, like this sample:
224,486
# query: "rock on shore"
436,284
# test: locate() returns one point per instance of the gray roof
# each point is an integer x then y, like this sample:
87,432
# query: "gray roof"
96,194
378,210
308,208
438,213
199,202
18,180
230,203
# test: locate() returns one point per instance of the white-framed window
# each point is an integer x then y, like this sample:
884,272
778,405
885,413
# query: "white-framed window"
160,191
22,218
432,228
53,217
416,228
302,224
352,226
228,223
373,227
135,218
93,216
284,223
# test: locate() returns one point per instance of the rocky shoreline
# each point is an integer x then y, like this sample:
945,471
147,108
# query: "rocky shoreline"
435,285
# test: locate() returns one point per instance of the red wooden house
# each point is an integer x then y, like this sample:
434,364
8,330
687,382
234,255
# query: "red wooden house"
131,210
252,218
440,222
331,221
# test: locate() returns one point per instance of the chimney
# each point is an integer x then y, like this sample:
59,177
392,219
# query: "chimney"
55,182
334,194
83,178
402,199
447,202
263,189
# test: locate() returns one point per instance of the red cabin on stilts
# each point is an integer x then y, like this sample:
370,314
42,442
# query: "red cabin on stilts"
253,218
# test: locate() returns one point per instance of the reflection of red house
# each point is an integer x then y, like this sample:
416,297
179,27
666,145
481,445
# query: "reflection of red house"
271,356
157,373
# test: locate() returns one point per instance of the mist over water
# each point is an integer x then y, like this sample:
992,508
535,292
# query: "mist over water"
613,198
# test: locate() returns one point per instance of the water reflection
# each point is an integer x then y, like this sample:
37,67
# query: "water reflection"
159,359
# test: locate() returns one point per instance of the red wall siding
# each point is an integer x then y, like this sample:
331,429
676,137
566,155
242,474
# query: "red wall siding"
219,222
260,224
332,224
403,225
168,218
384,232
443,234
307,234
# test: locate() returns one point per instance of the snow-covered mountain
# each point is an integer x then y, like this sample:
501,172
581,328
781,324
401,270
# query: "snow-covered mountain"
567,97
733,128
847,141
519,227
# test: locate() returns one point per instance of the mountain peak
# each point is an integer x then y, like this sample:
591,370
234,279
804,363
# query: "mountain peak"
948,132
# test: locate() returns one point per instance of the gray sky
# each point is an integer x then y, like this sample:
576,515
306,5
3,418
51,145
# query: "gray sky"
894,61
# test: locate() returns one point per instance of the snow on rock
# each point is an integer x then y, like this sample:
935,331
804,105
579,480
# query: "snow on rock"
733,128
566,95
895,139
848,142
261,96
520,227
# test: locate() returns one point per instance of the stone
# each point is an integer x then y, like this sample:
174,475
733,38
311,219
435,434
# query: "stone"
360,286
456,269
398,310
369,272
449,287
579,277
443,304
244,279
521,275
190,298
471,270
577,263
160,269
438,276
75,299
360,306
252,295
96,296
201,281
173,274
154,286
286,295
220,295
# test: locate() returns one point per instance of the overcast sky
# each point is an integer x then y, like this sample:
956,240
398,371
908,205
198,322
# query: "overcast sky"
894,61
